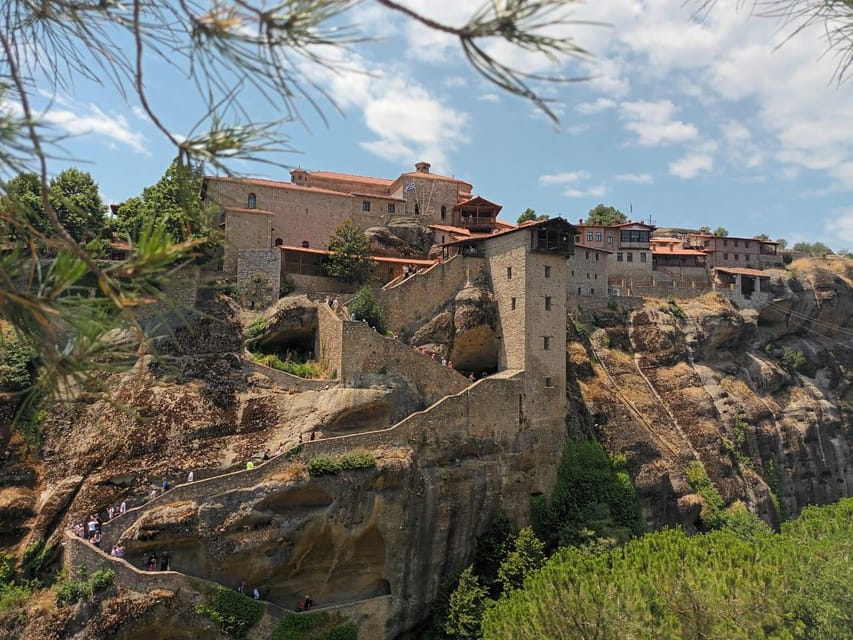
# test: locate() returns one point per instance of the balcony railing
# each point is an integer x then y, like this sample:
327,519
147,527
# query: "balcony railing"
476,222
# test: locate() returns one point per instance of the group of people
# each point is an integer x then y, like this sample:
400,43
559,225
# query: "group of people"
152,562
444,361
117,551
409,270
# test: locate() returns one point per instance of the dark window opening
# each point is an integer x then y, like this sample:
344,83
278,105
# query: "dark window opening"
547,272
512,303
443,212
509,273
546,343
365,205
547,303
251,201
549,382
392,208
279,242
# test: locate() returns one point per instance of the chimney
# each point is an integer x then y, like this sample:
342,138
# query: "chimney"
580,220
422,167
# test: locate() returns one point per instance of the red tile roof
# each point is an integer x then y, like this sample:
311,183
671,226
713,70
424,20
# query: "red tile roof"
262,212
277,184
332,175
677,251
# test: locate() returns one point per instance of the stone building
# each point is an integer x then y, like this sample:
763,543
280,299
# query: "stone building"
261,214
587,272
731,251
631,258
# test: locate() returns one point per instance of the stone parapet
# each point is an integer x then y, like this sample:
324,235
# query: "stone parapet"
288,381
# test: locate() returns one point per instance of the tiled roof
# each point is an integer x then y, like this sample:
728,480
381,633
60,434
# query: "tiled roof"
462,231
744,272
277,184
664,240
677,251
262,212
332,175
382,259
533,223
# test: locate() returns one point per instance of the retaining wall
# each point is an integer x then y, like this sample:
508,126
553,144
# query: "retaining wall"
416,296
287,380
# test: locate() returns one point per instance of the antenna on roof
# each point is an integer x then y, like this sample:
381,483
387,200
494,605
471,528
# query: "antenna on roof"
651,222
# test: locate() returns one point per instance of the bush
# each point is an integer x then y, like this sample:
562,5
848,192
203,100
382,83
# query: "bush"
234,612
328,465
35,557
346,631
71,591
713,513
256,328
365,307
301,369
16,360
792,361
286,287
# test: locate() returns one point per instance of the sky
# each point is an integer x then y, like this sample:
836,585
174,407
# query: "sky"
678,116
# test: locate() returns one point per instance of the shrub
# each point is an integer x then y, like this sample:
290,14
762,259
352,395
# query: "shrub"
301,369
286,286
365,307
346,631
328,465
12,599
35,557
232,611
713,512
792,361
71,591
16,360
257,327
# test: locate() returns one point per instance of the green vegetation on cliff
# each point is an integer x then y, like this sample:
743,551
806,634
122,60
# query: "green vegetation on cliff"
233,612
737,582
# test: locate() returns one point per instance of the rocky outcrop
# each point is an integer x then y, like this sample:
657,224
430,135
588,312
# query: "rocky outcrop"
400,238
289,323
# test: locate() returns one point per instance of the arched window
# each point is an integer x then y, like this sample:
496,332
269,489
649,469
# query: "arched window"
279,242
443,212
251,201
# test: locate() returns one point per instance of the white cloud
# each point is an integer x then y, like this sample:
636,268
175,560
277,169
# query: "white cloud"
653,123
595,192
840,226
694,162
567,177
601,104
636,178
489,97
408,121
743,153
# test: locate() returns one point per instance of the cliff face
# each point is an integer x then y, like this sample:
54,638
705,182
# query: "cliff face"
761,399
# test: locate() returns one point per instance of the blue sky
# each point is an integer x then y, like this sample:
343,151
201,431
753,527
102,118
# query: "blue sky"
718,119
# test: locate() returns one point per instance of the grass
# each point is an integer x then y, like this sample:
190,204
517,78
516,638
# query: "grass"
327,465
301,369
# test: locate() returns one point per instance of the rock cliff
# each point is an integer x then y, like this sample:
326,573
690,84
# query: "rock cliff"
760,398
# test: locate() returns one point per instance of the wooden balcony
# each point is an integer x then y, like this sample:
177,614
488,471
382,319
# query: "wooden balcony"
477,222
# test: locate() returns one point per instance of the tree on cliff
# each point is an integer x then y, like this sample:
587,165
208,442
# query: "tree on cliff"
527,557
529,215
174,201
232,54
73,195
467,603
813,249
603,214
350,258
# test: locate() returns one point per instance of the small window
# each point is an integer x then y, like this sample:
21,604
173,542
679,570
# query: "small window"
251,201
546,343
595,276
279,242
549,382
509,273
365,205
746,257
725,243
610,239
737,256
589,235
598,236
579,290
642,257
417,209
630,256
573,273
618,256
596,257
587,275
512,303
725,256
746,244
547,272
737,243
392,208
587,255
547,303
592,291
443,212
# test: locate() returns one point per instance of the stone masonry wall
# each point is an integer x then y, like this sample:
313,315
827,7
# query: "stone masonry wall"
365,352
505,254
370,615
180,292
244,231
587,273
265,263
417,296
286,380
328,345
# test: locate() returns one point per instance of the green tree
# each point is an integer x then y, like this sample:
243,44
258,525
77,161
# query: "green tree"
77,202
350,260
782,243
364,306
762,236
721,232
467,603
528,215
813,249
492,548
602,214
705,229
527,557
174,201
24,195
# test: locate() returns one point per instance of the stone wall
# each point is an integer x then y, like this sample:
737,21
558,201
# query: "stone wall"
365,352
244,230
370,615
416,297
265,263
328,345
319,284
636,268
286,380
584,308
179,293
587,273
507,268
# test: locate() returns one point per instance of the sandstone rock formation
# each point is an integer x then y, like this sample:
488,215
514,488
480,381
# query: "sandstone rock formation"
400,238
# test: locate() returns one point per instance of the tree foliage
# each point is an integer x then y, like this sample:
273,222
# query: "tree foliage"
742,583
593,498
721,232
364,306
813,249
350,259
527,557
529,215
467,603
605,215
174,201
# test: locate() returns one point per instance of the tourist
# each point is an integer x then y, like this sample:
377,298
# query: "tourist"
335,305
152,562
444,362
110,512
472,377
243,585
190,476
280,449
96,539
250,465
114,551
165,485
165,562
92,525
122,507
308,602
450,364
256,594
300,605
266,454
